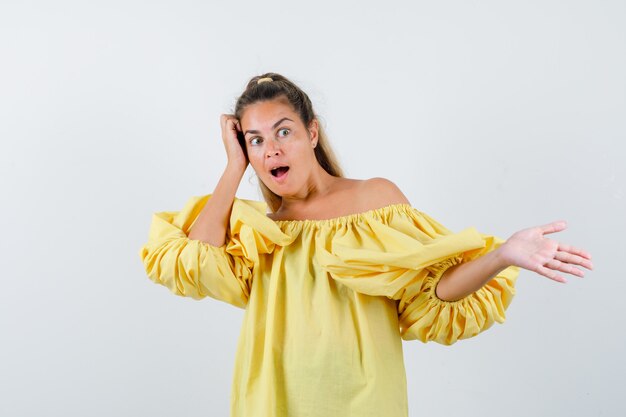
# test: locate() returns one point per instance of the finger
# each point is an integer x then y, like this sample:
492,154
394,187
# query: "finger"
554,227
224,117
550,274
232,124
577,251
573,259
564,267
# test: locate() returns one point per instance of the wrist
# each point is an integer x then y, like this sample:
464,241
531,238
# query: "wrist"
234,170
501,258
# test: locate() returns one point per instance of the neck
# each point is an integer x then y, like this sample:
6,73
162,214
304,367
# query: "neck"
319,184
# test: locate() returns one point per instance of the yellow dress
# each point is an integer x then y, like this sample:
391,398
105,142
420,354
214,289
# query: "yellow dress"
327,302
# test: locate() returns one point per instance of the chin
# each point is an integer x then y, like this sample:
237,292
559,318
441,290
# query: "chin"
273,189
280,193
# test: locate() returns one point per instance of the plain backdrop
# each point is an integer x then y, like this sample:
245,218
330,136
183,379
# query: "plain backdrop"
495,114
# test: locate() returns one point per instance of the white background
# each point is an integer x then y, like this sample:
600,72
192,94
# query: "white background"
494,114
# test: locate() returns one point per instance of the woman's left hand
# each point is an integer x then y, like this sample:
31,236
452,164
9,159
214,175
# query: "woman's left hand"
530,249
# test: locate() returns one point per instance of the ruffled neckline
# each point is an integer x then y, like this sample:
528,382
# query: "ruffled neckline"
348,218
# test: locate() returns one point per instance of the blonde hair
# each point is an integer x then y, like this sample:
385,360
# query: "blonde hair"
272,86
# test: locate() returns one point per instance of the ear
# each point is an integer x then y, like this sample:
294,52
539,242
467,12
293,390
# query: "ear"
314,132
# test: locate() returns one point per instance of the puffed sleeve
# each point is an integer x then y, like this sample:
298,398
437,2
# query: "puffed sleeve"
196,269
402,253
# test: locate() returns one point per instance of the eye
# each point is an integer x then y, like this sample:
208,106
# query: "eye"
252,141
282,130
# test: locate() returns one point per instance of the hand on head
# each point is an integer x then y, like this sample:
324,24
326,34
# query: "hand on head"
233,142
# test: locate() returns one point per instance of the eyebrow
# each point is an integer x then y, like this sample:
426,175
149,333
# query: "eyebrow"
273,127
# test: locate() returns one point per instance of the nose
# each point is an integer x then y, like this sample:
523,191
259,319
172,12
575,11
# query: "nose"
272,148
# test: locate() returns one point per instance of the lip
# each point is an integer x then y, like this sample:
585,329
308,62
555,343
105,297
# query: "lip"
282,178
276,165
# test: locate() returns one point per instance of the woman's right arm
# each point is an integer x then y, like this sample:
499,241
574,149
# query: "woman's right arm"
187,250
212,222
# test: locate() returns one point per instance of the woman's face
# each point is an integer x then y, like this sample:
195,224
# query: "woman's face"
277,138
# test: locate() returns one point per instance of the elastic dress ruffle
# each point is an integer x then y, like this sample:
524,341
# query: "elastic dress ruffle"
327,301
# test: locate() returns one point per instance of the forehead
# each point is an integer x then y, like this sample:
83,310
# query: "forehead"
264,113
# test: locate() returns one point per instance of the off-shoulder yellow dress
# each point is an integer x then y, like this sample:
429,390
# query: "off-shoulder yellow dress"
327,302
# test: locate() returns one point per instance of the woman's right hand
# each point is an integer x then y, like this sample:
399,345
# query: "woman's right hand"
236,157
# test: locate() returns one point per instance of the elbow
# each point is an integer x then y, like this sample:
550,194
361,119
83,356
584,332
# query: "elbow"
445,290
216,242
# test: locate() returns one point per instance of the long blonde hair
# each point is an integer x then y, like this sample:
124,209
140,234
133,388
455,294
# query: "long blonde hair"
280,86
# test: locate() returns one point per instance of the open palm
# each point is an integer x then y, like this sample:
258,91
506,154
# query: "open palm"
530,249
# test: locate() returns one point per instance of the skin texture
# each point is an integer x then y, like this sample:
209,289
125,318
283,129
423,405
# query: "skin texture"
309,192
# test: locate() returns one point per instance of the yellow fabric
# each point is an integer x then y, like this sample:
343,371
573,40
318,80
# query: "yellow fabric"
327,301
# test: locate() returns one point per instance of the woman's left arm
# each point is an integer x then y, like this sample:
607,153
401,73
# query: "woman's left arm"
528,249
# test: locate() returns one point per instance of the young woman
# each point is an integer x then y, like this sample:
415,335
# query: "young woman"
337,273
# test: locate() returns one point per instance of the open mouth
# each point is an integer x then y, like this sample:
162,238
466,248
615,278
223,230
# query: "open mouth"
278,172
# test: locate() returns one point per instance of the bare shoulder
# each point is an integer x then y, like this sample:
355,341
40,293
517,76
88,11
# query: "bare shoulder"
348,196
380,192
